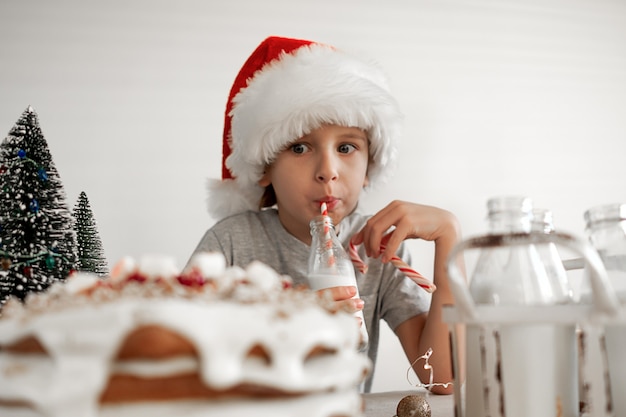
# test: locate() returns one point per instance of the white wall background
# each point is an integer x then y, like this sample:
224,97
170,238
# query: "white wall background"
500,96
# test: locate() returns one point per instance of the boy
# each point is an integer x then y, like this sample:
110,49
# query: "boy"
305,124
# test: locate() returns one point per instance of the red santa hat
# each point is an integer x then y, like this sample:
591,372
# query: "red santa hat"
286,89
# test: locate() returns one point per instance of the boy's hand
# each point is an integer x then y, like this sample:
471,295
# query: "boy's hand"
343,298
406,221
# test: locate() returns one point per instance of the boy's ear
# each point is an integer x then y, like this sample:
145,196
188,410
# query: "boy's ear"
370,162
265,179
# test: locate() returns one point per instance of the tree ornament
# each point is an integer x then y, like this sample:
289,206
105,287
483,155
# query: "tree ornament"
50,262
28,272
21,154
42,174
33,205
5,263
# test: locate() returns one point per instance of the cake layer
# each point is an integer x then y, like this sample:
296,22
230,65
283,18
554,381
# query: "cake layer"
336,404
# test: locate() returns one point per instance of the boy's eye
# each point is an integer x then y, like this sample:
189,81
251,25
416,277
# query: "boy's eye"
346,148
298,148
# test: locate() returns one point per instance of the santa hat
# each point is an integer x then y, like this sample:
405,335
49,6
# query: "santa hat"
286,89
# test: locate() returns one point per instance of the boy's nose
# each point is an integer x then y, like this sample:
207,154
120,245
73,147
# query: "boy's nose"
327,169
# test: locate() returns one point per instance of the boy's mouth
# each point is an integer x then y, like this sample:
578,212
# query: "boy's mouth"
331,202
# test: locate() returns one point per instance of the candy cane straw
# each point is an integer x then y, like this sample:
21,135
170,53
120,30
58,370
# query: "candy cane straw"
327,239
356,259
409,272
396,261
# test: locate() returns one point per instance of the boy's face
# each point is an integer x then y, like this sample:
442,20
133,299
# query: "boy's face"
328,165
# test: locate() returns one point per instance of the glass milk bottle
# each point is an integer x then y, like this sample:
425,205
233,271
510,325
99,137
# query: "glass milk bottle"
542,223
330,266
606,230
535,363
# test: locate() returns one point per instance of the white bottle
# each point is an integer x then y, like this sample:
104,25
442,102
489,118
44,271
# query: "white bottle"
533,364
330,266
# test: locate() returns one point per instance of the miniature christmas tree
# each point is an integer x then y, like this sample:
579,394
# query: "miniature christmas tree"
38,243
90,253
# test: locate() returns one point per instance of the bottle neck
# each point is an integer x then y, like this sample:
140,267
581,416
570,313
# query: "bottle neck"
327,255
321,226
606,230
602,216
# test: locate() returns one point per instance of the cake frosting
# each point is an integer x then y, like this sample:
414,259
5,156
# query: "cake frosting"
210,341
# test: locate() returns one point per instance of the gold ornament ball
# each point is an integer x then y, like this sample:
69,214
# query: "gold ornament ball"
413,406
5,263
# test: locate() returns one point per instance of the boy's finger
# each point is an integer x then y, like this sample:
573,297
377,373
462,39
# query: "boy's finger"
357,239
339,293
352,305
391,244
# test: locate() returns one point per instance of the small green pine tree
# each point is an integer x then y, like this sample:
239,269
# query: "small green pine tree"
90,253
37,240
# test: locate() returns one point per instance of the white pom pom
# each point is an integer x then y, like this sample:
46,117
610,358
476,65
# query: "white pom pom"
263,277
123,268
75,283
155,267
208,264
230,276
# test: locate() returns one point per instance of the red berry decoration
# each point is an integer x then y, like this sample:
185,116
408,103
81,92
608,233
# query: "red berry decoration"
136,277
191,279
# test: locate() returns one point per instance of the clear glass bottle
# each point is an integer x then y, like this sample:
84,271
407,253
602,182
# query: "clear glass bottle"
532,360
510,275
330,265
606,230
562,291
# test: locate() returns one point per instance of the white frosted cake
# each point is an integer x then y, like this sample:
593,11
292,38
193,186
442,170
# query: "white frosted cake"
210,341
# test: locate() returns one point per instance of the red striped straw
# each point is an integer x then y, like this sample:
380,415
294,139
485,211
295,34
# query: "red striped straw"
409,272
356,259
396,261
327,239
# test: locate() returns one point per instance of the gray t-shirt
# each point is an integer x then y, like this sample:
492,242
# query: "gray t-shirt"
259,235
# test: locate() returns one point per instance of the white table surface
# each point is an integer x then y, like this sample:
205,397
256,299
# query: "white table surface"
384,404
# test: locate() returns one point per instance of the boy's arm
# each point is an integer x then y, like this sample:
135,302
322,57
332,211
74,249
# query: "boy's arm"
420,333
424,331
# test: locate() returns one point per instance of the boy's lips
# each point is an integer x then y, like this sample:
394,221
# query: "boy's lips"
331,202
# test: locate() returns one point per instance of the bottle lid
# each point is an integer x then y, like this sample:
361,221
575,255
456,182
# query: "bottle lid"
502,204
542,220
509,214
605,213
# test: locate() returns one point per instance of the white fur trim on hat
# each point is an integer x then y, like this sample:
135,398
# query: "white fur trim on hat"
295,94
228,197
